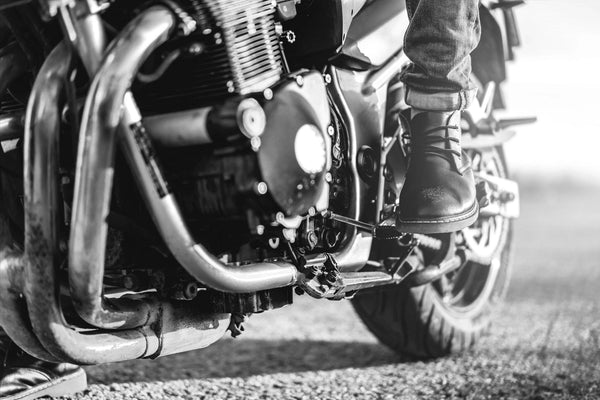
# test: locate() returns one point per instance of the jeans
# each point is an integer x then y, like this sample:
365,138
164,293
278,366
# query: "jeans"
439,40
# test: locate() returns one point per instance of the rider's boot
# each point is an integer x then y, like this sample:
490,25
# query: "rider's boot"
23,377
438,195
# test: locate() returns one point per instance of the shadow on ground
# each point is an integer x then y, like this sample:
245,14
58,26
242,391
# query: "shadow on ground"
243,358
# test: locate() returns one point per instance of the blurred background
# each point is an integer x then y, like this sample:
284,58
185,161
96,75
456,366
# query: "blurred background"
556,76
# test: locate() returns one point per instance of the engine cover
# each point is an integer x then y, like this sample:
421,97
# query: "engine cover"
295,152
284,173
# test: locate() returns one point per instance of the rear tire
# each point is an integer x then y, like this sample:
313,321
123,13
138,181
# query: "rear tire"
433,320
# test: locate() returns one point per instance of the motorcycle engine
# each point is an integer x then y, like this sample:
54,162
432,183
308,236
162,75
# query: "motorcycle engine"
236,52
267,181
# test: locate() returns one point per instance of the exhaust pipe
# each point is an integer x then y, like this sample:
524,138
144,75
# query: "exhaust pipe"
94,174
109,103
13,313
168,328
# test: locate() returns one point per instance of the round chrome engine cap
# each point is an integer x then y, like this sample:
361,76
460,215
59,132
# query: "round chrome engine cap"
310,149
251,118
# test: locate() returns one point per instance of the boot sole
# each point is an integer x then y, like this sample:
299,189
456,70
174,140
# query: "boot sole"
440,225
64,386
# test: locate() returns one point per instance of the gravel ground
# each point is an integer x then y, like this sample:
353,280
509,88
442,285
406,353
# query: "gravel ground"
544,342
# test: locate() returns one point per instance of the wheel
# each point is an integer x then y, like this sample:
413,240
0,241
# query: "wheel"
450,314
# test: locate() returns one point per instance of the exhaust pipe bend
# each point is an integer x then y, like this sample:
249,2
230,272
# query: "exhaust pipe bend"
41,228
108,103
13,313
171,328
94,176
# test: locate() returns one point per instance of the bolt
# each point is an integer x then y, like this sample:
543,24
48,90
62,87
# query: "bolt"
289,36
195,48
279,217
299,291
274,243
261,188
190,290
312,211
327,78
300,80
255,143
260,229
328,177
330,130
268,94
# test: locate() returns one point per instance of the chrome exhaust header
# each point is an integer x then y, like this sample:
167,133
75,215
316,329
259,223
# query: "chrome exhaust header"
163,327
110,107
128,328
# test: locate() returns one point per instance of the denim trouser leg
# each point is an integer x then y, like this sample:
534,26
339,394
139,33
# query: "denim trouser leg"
439,40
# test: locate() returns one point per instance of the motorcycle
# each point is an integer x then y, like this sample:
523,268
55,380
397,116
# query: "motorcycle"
169,168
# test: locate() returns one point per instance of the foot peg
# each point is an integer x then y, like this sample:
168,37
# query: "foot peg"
483,194
500,196
482,129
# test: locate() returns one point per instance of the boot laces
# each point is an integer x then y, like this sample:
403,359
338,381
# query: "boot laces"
426,142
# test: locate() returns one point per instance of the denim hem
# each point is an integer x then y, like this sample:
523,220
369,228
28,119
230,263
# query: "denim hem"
440,101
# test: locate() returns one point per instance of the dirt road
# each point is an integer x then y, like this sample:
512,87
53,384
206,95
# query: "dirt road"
545,342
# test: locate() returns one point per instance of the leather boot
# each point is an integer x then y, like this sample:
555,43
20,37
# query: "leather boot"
438,195
23,377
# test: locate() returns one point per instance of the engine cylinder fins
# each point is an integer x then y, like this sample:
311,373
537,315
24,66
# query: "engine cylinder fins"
248,29
244,57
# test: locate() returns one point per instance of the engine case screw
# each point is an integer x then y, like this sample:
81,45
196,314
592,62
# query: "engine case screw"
289,36
190,291
261,188
268,94
195,49
327,78
300,80
330,130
